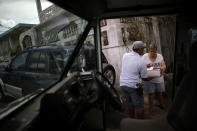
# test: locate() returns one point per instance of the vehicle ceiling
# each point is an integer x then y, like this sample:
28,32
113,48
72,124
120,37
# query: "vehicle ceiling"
89,9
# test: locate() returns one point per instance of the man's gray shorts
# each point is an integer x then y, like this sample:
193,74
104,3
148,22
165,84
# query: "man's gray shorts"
151,87
132,97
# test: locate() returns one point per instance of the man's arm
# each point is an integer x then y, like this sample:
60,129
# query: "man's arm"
163,67
143,72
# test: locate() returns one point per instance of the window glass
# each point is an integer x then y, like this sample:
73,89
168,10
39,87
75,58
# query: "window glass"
48,35
19,62
42,63
59,59
53,68
86,59
33,61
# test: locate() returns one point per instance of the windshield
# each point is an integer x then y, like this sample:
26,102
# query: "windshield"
35,47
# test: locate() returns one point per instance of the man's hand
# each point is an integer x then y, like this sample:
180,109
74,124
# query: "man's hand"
161,72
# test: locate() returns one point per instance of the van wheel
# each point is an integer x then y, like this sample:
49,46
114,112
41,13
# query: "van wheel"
109,73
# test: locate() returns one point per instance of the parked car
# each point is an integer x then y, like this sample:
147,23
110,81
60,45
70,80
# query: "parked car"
39,67
3,62
108,69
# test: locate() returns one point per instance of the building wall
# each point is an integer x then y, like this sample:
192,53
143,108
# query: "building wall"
8,46
47,32
4,47
114,57
32,33
116,48
10,41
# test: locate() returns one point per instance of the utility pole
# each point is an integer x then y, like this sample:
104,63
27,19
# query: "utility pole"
39,9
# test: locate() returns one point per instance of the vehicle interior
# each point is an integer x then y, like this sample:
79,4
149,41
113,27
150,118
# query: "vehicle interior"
83,100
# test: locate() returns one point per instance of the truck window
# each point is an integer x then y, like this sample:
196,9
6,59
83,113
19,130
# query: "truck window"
19,62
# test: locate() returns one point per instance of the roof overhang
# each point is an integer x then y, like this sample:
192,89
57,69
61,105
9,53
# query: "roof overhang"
21,27
89,9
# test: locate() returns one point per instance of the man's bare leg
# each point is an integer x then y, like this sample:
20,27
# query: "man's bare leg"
151,102
140,114
131,109
160,97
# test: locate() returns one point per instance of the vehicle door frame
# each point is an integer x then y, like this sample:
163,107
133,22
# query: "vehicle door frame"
95,24
11,74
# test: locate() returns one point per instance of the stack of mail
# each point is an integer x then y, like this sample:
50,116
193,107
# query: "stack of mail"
153,72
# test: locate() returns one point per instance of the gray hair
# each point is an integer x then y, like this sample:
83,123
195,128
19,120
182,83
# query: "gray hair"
152,46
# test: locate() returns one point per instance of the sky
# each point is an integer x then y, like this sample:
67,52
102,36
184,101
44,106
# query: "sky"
13,12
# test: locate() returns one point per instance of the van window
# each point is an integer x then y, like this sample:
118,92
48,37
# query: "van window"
19,62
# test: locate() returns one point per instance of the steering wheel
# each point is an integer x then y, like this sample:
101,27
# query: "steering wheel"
110,92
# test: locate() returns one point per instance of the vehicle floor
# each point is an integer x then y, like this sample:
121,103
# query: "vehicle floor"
4,103
114,117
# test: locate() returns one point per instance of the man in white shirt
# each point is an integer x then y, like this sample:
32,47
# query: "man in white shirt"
134,68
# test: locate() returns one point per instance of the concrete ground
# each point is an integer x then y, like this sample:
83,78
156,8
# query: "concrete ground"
113,117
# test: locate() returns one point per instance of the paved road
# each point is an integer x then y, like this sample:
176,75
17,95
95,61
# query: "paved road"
114,117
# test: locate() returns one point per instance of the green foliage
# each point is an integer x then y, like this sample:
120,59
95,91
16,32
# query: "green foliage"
166,19
138,29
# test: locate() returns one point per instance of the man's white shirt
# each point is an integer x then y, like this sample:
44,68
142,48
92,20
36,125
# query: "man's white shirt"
133,68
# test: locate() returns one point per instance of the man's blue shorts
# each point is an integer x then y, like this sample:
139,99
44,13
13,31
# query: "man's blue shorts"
151,87
132,97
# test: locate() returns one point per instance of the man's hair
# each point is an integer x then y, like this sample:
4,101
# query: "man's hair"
135,50
152,46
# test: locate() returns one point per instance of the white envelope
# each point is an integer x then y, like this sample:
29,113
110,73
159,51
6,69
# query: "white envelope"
153,72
